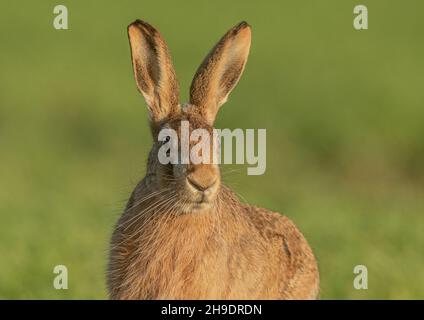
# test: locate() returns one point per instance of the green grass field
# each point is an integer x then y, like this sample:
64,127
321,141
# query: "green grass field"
343,110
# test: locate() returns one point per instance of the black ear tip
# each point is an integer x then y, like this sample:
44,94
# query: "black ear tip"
243,25
238,28
141,24
134,24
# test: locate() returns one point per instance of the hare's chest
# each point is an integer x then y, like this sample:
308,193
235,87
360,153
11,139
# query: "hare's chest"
193,260
212,271
188,271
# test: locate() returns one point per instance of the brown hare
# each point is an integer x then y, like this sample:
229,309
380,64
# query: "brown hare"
183,234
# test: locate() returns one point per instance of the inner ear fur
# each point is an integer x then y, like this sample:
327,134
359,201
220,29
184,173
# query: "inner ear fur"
220,71
153,70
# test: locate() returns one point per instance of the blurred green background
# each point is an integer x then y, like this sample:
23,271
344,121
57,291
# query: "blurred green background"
343,110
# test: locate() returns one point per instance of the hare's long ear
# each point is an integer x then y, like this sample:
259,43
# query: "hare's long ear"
153,70
220,71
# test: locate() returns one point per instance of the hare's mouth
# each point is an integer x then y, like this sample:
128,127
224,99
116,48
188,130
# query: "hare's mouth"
197,187
200,194
198,201
197,206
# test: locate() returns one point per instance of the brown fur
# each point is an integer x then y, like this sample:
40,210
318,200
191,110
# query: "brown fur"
179,240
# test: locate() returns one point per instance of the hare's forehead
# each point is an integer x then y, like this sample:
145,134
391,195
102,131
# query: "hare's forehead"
188,118
187,123
188,108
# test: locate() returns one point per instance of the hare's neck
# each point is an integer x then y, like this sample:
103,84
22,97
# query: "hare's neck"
181,232
170,254
176,250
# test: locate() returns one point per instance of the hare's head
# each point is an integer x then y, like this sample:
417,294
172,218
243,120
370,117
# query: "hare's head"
197,184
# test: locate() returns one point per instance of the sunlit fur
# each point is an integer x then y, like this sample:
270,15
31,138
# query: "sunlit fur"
175,241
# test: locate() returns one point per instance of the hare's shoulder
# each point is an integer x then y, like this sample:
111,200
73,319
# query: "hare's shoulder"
272,224
301,278
279,230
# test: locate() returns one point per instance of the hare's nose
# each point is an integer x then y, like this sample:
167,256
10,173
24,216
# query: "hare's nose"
200,185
